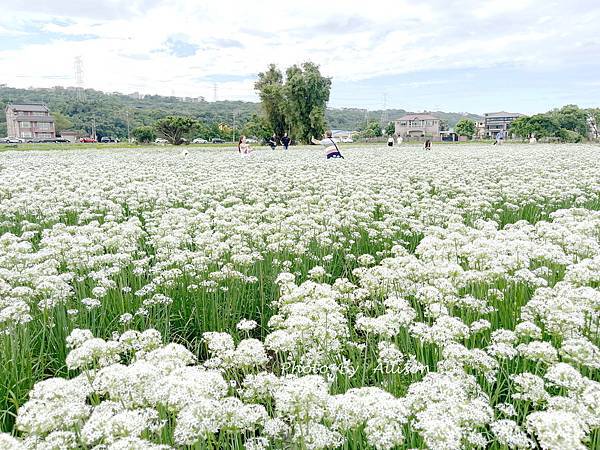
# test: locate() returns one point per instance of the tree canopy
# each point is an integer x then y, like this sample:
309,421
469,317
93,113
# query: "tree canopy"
390,129
271,93
297,104
173,128
465,127
568,124
144,134
371,129
61,122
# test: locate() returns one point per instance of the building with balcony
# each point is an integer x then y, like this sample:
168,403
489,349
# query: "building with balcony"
418,125
497,122
29,121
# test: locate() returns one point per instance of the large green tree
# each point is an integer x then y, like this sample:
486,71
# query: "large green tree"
173,128
144,134
521,127
306,94
542,125
390,129
297,104
572,118
465,127
271,93
371,130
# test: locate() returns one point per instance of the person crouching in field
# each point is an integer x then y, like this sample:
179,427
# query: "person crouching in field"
243,146
427,145
331,148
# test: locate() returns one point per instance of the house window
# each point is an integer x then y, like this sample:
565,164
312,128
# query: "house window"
25,134
44,135
25,124
43,126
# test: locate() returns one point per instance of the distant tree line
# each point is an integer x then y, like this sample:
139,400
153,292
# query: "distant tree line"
111,112
567,124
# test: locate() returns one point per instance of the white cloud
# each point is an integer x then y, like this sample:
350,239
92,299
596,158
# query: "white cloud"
352,40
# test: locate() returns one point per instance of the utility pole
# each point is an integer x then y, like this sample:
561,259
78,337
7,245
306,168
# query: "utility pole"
94,128
128,133
233,130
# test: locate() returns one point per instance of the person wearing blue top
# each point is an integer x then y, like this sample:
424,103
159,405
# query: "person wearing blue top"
499,138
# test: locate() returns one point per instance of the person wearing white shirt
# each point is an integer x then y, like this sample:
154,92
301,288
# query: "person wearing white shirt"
331,148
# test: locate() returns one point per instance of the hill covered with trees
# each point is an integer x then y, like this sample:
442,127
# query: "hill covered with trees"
112,111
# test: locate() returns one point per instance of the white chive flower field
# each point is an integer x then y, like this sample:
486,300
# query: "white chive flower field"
398,298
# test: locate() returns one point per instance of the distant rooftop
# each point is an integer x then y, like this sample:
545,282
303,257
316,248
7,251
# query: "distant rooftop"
418,117
502,114
34,118
33,107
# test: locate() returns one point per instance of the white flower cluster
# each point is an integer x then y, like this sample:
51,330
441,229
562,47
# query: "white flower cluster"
478,276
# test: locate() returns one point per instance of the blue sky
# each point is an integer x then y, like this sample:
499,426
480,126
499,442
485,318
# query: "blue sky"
468,55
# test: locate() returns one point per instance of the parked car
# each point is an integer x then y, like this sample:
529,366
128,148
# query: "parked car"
60,140
10,140
106,139
87,139
217,141
161,141
199,141
347,140
251,140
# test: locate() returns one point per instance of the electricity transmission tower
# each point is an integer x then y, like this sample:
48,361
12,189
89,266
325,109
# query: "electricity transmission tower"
384,113
215,92
78,66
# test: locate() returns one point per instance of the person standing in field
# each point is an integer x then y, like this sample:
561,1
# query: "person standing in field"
331,148
272,141
390,141
285,141
427,145
499,137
